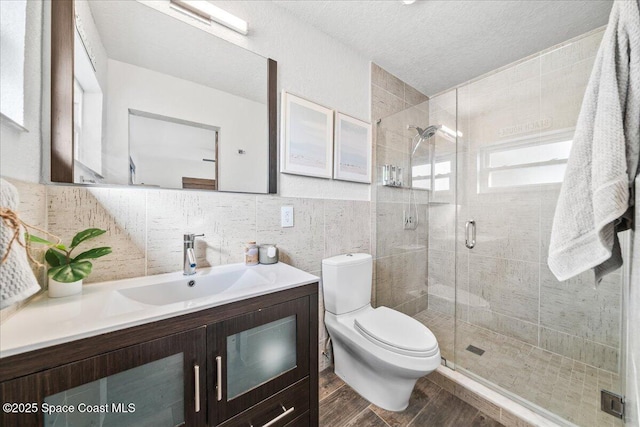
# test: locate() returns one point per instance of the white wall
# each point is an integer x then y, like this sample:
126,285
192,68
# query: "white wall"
20,151
242,123
13,20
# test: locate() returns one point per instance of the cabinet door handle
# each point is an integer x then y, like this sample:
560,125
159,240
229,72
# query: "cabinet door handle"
219,378
470,243
281,416
196,373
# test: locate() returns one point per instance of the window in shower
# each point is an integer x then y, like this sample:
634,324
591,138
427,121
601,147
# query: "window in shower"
535,161
421,176
442,176
439,180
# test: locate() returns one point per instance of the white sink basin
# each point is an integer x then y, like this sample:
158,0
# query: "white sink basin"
118,304
195,287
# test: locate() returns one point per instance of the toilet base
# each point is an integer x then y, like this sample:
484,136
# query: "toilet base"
385,378
390,392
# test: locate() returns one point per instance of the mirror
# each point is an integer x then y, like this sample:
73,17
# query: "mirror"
156,100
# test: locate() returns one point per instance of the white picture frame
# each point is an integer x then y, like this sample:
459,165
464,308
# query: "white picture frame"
352,151
307,138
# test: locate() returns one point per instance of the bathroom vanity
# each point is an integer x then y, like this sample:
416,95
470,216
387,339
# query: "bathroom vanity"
236,347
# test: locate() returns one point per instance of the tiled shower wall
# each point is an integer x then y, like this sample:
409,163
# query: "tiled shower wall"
400,255
145,227
504,284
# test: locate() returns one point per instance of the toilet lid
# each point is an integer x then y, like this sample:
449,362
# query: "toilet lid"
397,332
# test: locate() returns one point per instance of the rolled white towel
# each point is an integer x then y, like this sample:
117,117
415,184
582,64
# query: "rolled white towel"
17,281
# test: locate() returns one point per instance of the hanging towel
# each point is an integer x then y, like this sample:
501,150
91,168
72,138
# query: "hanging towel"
17,281
596,198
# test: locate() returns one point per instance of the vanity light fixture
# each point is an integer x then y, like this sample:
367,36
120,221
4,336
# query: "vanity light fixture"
408,2
207,12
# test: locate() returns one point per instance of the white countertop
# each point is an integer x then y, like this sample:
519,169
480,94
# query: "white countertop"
102,308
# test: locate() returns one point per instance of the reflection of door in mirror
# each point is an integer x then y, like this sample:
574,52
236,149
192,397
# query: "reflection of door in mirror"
172,153
88,116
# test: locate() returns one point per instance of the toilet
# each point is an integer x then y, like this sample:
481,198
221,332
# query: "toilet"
379,352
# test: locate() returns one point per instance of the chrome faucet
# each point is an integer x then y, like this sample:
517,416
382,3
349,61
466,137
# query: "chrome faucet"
188,255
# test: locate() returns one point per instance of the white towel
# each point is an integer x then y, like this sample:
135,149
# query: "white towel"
596,197
17,281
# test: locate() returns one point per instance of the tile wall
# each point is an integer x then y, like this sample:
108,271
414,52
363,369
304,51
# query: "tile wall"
400,255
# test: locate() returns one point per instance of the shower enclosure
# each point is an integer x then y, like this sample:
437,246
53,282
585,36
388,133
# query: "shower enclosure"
462,245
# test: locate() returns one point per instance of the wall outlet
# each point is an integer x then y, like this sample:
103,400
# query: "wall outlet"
410,222
286,216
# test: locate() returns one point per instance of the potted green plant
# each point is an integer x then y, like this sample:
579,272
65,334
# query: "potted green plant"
66,273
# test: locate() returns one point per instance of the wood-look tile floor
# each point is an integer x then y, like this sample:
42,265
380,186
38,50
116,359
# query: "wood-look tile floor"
430,405
564,386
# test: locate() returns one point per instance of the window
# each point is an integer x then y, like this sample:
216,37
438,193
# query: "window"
442,176
439,181
13,19
88,112
524,163
421,176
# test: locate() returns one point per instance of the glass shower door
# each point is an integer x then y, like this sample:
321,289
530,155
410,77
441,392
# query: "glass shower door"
441,272
552,345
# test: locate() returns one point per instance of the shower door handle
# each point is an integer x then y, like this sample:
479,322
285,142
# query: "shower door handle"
470,226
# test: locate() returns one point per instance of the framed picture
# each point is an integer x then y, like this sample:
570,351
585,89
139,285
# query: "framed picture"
307,137
352,157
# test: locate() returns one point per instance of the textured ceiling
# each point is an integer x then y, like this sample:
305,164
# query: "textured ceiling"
434,45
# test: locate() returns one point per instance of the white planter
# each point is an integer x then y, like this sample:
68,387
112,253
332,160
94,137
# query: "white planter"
59,289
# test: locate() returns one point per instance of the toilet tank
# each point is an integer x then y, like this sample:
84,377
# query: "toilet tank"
346,282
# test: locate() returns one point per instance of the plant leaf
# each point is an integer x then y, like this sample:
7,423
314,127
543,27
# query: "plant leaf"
36,239
93,253
71,272
55,258
89,233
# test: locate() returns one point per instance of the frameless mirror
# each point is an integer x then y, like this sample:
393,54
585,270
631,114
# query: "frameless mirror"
158,101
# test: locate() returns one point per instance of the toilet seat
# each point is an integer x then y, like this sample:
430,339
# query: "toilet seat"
396,332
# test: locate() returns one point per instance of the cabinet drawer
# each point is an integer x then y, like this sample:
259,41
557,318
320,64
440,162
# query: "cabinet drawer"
302,420
282,409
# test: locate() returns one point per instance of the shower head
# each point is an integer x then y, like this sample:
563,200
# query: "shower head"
427,132
423,134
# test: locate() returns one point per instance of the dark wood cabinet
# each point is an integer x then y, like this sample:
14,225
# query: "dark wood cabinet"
152,381
256,355
248,363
